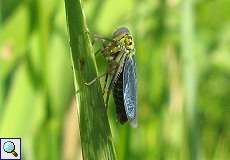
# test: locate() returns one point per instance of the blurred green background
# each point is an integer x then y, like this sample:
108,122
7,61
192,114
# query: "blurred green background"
183,70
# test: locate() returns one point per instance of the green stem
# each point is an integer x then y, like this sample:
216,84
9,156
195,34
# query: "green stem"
95,131
190,80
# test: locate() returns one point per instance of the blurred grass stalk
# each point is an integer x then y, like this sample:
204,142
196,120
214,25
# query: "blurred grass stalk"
96,140
189,78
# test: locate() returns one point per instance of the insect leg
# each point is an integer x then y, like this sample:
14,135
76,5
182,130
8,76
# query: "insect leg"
99,50
106,80
98,77
114,78
102,38
95,37
107,96
94,80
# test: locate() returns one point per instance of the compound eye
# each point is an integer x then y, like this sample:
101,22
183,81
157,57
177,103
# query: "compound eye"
130,43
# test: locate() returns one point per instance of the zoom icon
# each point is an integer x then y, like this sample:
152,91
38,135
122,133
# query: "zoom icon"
10,149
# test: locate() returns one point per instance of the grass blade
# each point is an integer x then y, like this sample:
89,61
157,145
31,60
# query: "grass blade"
94,125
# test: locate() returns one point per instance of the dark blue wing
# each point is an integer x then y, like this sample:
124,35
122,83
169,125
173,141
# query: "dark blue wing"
130,89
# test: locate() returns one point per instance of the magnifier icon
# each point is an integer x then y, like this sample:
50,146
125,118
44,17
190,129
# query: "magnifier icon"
9,147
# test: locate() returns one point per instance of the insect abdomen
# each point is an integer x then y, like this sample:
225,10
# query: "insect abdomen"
119,99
